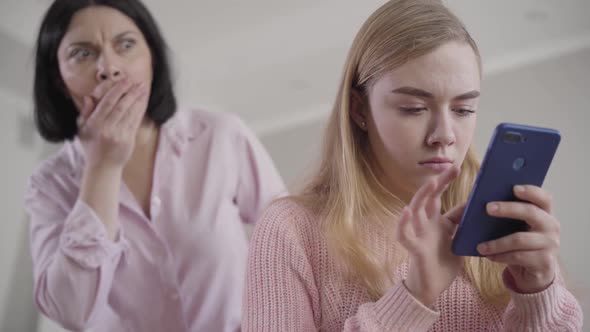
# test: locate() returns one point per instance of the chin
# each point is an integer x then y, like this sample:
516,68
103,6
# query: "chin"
422,180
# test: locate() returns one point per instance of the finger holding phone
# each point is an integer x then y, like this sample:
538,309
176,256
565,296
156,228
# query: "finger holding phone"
531,256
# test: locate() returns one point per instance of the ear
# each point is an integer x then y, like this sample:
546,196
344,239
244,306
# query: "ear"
358,109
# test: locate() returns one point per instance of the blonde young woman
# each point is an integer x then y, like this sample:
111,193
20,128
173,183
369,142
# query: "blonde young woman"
366,246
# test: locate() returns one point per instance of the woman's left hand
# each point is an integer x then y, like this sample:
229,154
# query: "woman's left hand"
531,256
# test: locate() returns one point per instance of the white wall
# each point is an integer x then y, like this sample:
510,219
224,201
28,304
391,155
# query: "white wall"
17,165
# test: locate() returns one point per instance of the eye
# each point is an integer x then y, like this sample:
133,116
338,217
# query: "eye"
413,110
126,44
463,111
81,53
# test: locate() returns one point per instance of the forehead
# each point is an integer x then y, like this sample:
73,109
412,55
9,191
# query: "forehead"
98,22
453,68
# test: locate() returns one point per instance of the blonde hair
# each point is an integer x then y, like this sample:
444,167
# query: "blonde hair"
346,189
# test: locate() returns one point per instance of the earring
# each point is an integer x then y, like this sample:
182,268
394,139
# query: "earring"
363,124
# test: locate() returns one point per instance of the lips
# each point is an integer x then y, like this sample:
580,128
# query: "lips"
437,160
437,164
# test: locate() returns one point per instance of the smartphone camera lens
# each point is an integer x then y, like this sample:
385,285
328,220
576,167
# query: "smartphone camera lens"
518,164
513,137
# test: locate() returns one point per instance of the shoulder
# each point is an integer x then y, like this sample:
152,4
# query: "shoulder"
287,220
64,163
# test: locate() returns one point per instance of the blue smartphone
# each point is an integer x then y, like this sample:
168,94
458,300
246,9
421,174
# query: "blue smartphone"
517,154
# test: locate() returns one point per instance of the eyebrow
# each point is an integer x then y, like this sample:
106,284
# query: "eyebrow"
89,44
406,90
123,34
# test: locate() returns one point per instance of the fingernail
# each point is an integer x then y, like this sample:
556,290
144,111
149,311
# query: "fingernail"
482,248
493,207
519,189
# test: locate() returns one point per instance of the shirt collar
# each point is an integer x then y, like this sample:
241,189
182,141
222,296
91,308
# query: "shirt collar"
180,130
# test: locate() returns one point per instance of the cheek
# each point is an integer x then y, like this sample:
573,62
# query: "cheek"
79,81
139,67
400,136
465,133
402,142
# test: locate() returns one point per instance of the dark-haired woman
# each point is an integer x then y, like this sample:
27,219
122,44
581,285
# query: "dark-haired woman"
137,222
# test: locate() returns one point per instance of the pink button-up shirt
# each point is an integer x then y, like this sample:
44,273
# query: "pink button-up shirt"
184,269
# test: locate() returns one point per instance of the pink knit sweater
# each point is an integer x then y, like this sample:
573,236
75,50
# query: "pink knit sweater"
294,285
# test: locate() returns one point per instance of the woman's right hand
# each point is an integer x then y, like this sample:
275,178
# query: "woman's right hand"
107,129
427,235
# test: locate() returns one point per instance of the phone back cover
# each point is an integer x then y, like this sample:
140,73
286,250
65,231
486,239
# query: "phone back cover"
496,180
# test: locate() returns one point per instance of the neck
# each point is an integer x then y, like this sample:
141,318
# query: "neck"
146,142
400,191
146,135
403,192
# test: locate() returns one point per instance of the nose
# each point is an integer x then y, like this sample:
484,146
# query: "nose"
109,68
442,133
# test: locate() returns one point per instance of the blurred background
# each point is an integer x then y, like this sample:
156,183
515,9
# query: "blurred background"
277,65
